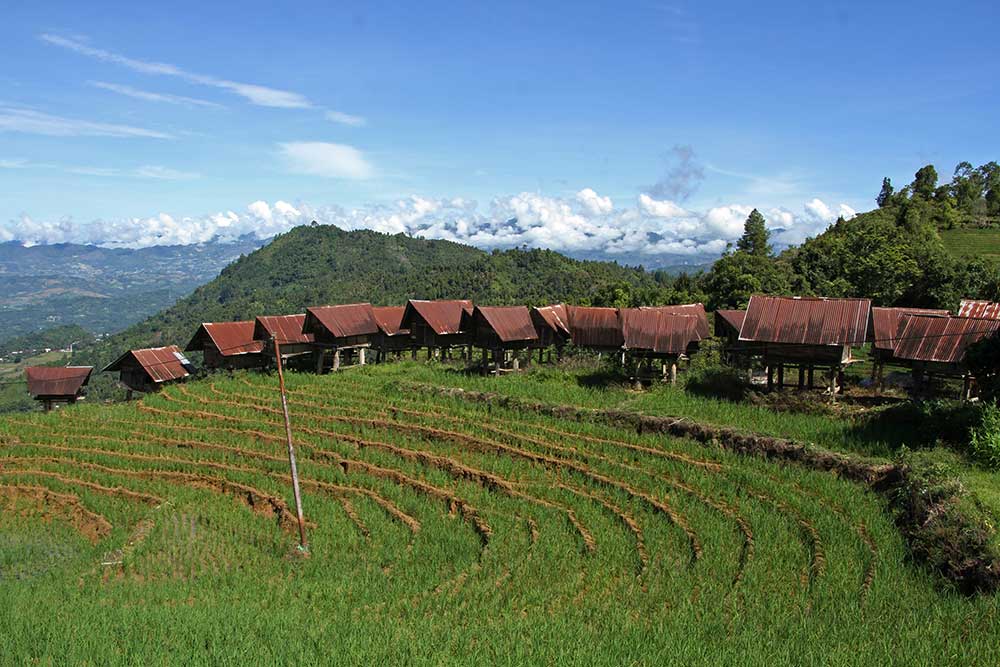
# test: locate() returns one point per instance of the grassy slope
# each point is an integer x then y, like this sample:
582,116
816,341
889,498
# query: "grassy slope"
211,581
969,242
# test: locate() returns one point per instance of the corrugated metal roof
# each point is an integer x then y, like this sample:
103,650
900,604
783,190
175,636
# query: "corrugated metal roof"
161,364
595,327
443,317
229,338
390,319
695,310
731,318
941,339
887,322
57,380
511,323
655,330
345,321
286,329
971,308
806,320
555,317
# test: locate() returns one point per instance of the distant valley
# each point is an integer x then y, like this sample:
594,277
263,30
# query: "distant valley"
102,289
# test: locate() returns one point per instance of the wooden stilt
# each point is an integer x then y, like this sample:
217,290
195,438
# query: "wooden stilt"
810,374
673,372
781,376
336,360
770,378
802,377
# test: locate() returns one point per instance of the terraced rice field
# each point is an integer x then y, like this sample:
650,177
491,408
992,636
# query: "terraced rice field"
440,532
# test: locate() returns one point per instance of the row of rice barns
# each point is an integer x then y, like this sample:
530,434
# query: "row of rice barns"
780,334
817,334
328,338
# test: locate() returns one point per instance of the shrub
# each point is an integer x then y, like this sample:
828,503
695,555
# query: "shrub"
946,527
984,438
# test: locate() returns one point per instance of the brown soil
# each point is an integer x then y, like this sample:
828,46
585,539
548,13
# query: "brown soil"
90,524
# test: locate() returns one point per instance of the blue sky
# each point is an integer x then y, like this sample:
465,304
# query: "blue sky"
402,118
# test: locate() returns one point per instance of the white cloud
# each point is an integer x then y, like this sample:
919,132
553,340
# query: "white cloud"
660,208
148,96
318,158
35,122
593,202
345,118
13,164
819,210
255,94
635,234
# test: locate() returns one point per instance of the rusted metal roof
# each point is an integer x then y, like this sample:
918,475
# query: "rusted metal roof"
941,339
443,317
806,320
971,308
390,320
555,317
346,321
285,329
654,330
229,338
161,364
695,310
595,327
510,323
730,318
57,380
887,322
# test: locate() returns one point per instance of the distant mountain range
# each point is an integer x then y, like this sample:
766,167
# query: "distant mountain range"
101,289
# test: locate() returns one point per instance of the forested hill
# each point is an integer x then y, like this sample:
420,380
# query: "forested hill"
322,264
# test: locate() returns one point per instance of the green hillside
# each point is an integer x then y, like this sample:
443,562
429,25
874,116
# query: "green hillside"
322,264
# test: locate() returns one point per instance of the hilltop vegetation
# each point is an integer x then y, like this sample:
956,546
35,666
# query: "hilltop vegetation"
893,254
443,531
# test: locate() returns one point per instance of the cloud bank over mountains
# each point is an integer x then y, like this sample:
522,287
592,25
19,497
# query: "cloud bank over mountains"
648,230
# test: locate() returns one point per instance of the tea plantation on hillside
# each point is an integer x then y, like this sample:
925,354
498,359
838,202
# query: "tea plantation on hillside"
442,531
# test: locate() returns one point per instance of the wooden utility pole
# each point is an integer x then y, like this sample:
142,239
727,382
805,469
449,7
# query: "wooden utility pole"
303,544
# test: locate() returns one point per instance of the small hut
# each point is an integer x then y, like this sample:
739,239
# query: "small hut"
694,310
981,309
344,330
936,346
500,331
286,331
391,337
57,384
552,326
655,335
805,333
228,345
884,334
438,325
595,328
150,368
